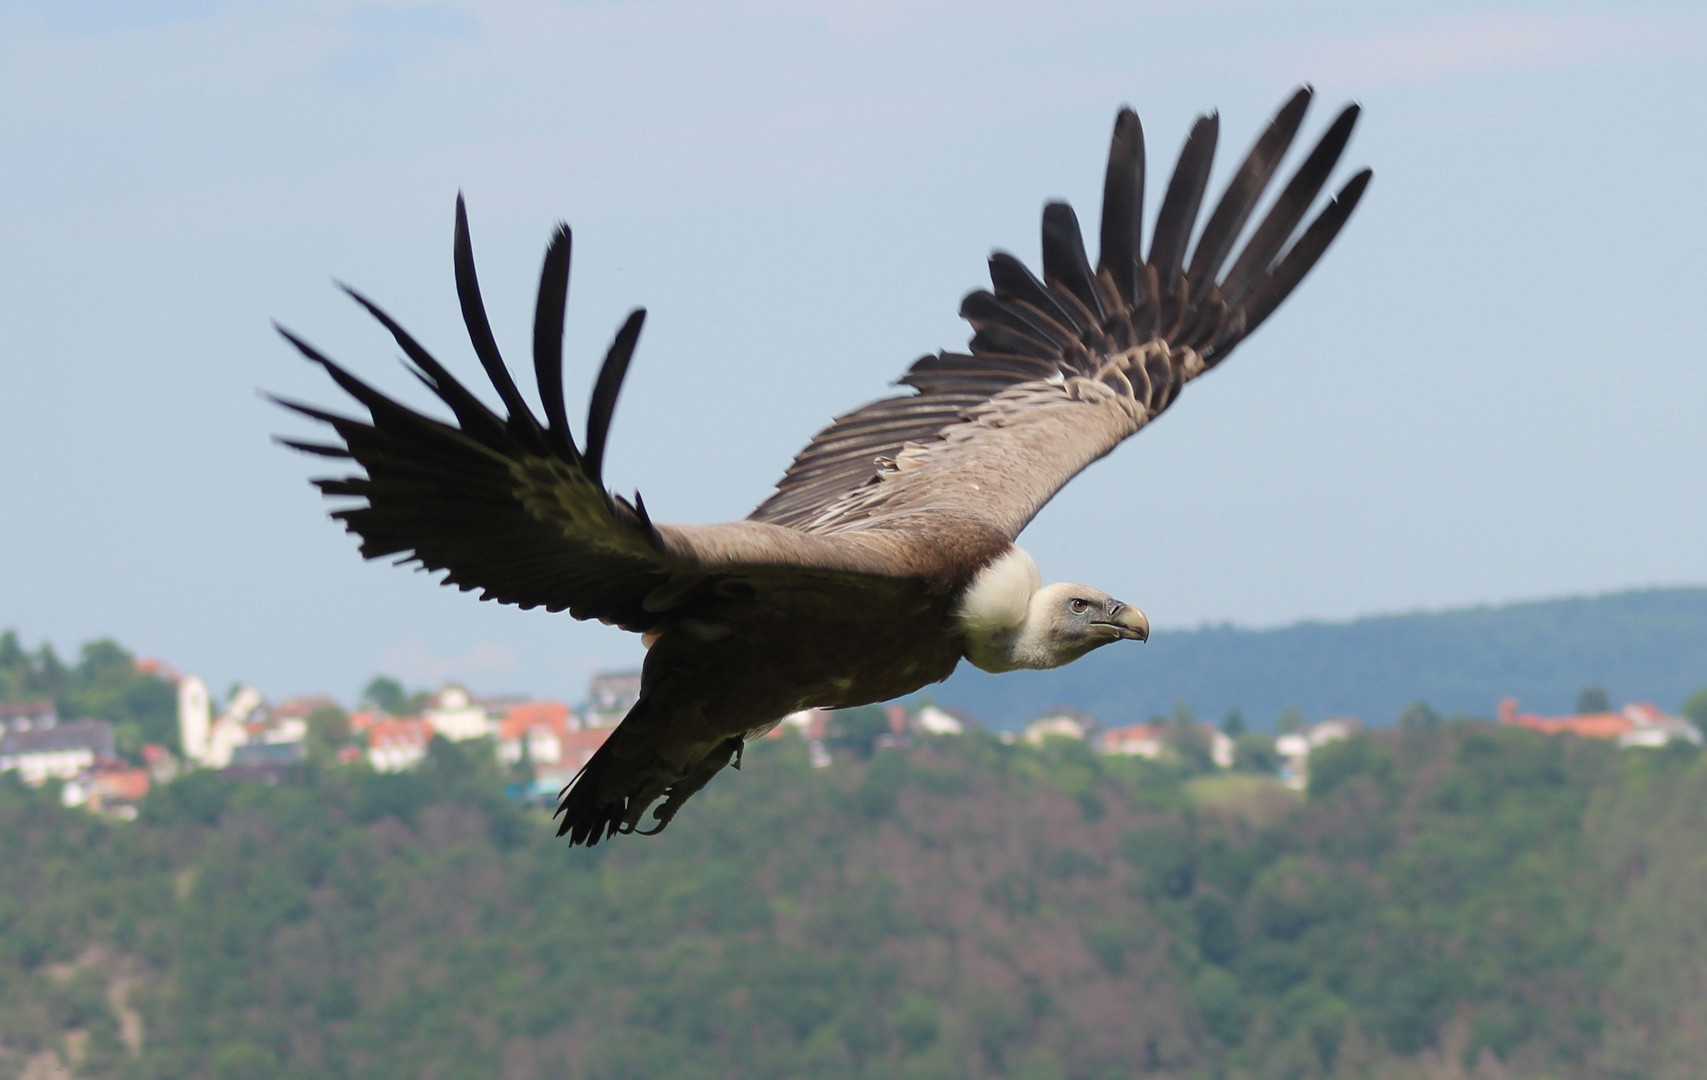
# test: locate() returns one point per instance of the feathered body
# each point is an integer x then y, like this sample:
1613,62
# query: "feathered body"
887,554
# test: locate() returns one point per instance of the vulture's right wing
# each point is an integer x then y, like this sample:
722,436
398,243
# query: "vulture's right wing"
1061,370
501,504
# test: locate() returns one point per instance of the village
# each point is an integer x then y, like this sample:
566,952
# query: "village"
541,744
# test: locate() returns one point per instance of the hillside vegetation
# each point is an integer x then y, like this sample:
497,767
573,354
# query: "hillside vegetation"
1647,645
1456,901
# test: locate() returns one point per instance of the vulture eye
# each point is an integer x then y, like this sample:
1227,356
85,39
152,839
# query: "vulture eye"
1078,606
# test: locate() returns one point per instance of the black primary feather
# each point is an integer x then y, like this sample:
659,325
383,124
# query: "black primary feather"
1303,255
1294,202
1064,260
1048,337
1122,232
1180,205
603,404
548,337
1013,280
470,411
1244,190
480,330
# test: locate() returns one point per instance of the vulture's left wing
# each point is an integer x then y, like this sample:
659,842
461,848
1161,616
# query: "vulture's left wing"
1061,370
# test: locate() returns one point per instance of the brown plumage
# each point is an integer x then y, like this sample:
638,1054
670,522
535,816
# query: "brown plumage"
887,553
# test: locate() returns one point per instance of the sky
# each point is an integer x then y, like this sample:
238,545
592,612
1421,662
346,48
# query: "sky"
1491,389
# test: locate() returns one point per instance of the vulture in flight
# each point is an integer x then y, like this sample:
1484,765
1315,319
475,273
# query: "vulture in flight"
886,554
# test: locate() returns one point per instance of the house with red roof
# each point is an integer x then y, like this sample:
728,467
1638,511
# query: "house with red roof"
1149,740
1143,740
110,787
398,745
1641,723
535,731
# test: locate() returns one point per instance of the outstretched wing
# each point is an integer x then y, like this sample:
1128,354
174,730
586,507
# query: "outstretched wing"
504,505
1061,370
515,509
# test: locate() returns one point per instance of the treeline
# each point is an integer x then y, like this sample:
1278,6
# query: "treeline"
103,683
1455,897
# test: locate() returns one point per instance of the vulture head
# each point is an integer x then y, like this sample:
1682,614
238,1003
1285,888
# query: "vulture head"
1012,620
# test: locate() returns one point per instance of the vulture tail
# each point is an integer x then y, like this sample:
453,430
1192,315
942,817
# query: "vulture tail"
610,795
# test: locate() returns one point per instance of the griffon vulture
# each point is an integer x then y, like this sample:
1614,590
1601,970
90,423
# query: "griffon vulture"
886,555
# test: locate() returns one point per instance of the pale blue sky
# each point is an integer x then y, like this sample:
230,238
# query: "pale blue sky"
1491,389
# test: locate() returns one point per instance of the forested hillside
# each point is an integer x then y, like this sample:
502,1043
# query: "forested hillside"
1638,645
1449,901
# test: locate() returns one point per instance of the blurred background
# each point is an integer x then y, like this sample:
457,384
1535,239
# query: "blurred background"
271,813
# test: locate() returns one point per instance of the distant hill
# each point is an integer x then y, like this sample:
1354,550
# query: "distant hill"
1649,645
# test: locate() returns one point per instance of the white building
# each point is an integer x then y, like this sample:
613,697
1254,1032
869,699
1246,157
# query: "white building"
195,718
229,730
933,721
1651,726
60,752
1063,723
455,714
1222,750
26,716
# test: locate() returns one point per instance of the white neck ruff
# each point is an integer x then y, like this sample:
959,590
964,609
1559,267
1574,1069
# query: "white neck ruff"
993,610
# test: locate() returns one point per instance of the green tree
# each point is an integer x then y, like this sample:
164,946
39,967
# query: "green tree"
1695,707
1292,719
328,730
857,730
1234,724
1593,699
1418,717
1254,752
387,693
26,677
1190,740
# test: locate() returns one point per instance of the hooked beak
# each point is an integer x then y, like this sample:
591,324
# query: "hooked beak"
1127,621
